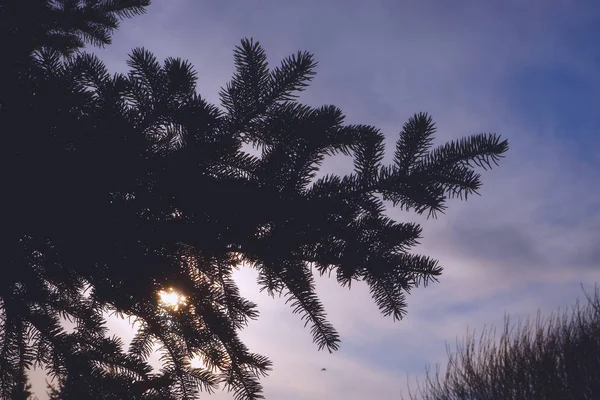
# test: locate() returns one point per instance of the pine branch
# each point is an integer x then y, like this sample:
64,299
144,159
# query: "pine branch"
388,297
390,278
415,140
481,150
87,71
239,310
146,69
123,8
293,75
204,380
142,343
243,384
300,285
410,192
270,281
243,96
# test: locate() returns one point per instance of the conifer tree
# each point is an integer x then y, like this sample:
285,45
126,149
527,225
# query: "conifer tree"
129,185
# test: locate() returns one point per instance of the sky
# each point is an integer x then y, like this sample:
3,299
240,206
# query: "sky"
525,69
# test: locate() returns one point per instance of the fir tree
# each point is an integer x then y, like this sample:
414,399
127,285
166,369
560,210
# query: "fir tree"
128,185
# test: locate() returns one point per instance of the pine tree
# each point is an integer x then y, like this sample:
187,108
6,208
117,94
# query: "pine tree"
36,289
129,185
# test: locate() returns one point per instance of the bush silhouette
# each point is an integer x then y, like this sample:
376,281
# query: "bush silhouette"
557,357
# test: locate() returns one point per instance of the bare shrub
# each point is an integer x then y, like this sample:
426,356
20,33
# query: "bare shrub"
557,357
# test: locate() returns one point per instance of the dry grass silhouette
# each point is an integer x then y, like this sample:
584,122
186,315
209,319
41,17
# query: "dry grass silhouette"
557,357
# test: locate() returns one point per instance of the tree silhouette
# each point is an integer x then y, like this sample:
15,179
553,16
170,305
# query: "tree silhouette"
128,185
544,359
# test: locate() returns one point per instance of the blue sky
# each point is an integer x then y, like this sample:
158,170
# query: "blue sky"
527,69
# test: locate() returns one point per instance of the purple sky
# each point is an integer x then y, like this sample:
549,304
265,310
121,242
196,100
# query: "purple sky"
527,69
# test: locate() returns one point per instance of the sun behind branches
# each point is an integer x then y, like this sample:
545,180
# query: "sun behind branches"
171,299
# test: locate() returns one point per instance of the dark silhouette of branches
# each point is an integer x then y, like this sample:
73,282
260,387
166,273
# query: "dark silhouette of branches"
125,186
557,357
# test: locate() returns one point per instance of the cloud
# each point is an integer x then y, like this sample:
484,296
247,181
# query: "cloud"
505,243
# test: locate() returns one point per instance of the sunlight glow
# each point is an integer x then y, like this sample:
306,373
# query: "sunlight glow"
171,299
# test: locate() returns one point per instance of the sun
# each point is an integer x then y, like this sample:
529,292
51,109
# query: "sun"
171,299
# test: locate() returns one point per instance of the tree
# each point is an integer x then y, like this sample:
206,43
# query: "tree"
33,299
545,359
128,186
